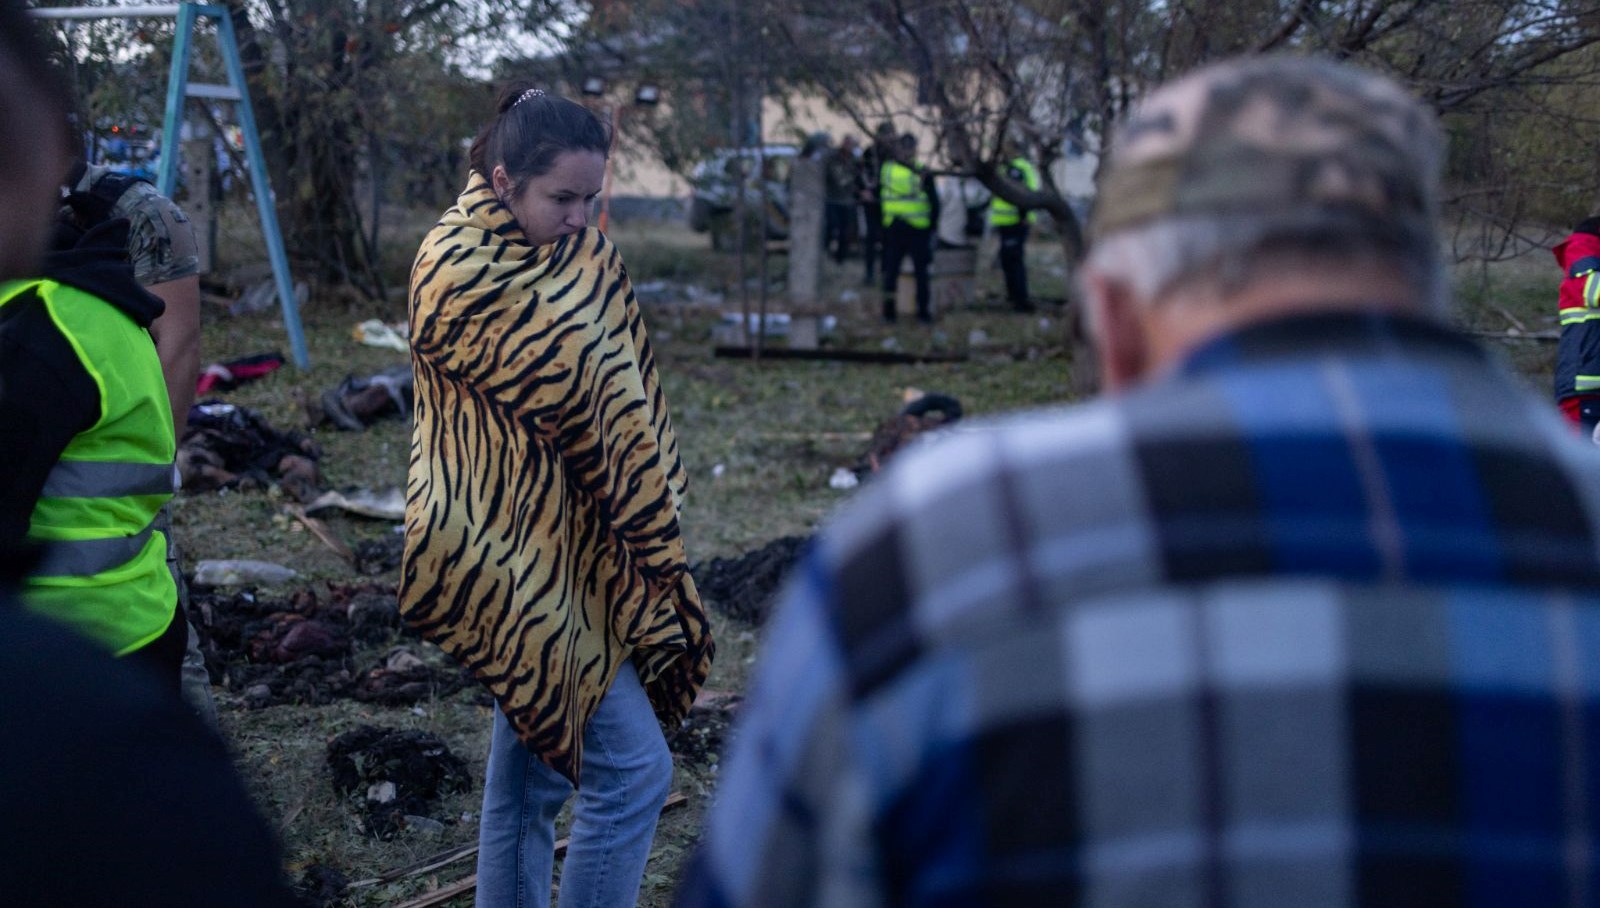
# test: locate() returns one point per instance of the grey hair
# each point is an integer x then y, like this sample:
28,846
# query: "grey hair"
1230,251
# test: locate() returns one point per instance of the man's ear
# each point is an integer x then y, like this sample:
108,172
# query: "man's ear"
1118,331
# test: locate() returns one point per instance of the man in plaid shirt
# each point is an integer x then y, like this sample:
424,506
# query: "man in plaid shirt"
1306,613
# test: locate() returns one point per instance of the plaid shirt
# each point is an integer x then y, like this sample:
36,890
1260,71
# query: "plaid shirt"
1313,621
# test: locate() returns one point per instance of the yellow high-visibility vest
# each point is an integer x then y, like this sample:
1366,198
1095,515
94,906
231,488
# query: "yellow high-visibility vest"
1005,214
105,566
900,187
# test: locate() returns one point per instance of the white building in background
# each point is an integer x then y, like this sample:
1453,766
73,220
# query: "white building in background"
642,175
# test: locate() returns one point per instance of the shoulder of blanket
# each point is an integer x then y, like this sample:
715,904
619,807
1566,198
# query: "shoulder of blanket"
588,250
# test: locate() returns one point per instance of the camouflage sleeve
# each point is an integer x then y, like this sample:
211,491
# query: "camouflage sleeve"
161,241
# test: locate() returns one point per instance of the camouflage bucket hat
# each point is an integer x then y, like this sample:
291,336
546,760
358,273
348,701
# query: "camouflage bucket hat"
1270,135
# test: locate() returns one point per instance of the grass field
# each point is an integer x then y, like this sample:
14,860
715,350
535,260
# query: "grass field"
759,440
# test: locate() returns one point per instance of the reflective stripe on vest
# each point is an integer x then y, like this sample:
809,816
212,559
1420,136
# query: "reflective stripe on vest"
97,479
104,569
1577,316
1004,214
903,198
1585,382
88,557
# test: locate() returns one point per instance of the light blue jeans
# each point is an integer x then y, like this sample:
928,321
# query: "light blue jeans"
627,774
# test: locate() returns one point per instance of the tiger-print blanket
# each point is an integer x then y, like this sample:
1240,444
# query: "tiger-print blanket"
542,539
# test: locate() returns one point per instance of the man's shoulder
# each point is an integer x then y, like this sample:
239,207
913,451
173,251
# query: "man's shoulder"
139,197
162,242
949,533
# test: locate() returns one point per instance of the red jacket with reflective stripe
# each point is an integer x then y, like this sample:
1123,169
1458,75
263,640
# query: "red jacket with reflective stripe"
1578,354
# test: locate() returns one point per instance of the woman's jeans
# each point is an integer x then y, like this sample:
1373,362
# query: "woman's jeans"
627,773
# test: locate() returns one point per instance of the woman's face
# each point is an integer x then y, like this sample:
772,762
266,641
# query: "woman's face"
557,202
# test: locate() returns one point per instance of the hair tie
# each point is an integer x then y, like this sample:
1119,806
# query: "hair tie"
530,93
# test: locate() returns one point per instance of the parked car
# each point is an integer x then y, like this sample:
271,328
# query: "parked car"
716,182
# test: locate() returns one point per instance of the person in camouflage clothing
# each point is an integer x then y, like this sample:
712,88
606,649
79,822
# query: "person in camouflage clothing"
1301,614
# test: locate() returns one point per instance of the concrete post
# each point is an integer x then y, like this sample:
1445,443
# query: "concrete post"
806,196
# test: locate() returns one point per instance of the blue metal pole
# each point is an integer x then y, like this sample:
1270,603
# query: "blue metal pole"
263,190
177,85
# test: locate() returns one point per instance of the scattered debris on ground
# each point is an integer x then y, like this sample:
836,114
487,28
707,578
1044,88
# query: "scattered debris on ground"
321,886
304,649
921,414
226,376
356,403
324,533
232,447
379,504
375,333
703,734
378,555
241,572
745,587
395,776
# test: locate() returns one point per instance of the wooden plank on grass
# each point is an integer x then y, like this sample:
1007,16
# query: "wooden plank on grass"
445,894
322,531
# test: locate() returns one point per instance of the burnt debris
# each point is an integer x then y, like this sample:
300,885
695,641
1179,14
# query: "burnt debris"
745,587
310,649
394,776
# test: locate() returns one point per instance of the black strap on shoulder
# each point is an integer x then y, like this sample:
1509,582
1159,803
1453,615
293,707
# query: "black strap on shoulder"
111,185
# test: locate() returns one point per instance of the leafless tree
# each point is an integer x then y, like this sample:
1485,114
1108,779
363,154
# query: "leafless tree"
1047,73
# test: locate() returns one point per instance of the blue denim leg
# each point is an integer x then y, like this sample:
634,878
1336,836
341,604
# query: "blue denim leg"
516,835
627,774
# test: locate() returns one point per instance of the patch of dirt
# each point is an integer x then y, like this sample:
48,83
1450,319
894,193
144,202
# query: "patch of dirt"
746,587
703,735
321,886
310,650
379,555
394,775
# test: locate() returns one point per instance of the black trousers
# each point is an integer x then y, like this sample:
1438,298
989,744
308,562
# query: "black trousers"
900,240
839,232
872,239
1013,262
164,655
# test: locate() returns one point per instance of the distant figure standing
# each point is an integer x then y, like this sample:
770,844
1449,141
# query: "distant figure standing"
1011,225
872,161
1578,352
842,178
908,213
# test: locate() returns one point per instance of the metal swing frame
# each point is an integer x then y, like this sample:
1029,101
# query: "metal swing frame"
188,15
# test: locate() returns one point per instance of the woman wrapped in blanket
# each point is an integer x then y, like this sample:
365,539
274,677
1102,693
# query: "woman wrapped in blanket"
542,540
